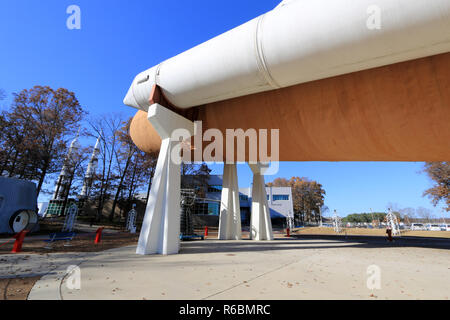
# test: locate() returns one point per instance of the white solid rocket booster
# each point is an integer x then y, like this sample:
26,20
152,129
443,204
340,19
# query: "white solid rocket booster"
298,41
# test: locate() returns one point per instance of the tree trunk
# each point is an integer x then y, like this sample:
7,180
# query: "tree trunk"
42,178
106,185
148,190
24,165
132,188
4,164
13,164
119,188
102,185
100,202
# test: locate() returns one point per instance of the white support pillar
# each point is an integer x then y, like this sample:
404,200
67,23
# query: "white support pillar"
230,211
260,223
160,233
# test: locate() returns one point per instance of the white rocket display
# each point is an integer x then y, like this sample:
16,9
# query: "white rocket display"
90,171
66,174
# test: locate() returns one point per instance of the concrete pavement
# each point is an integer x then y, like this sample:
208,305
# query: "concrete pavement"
282,269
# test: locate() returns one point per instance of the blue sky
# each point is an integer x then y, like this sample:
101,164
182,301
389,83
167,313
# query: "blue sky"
119,39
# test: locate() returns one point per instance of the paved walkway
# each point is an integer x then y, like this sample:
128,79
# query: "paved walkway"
282,269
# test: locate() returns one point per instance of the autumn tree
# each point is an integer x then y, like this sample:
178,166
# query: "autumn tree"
37,127
307,196
439,172
5,148
18,148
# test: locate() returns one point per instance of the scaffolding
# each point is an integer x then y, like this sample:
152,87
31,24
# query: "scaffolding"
188,199
392,223
337,222
56,207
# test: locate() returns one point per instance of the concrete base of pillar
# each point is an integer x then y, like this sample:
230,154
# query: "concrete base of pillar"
260,223
230,212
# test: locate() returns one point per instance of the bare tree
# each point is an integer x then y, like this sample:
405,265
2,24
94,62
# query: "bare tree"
124,157
424,214
408,214
150,161
107,127
76,168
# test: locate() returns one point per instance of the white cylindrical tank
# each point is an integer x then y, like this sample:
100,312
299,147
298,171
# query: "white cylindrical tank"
299,41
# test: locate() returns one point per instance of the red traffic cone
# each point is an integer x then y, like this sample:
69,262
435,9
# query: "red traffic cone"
98,236
19,241
206,231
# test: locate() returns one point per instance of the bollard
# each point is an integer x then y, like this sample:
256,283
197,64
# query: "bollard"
98,236
19,241
206,231
288,232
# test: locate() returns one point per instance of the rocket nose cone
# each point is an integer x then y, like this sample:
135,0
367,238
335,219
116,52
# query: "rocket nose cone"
130,100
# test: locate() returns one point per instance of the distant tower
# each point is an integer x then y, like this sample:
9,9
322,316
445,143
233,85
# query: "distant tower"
90,171
337,222
66,175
